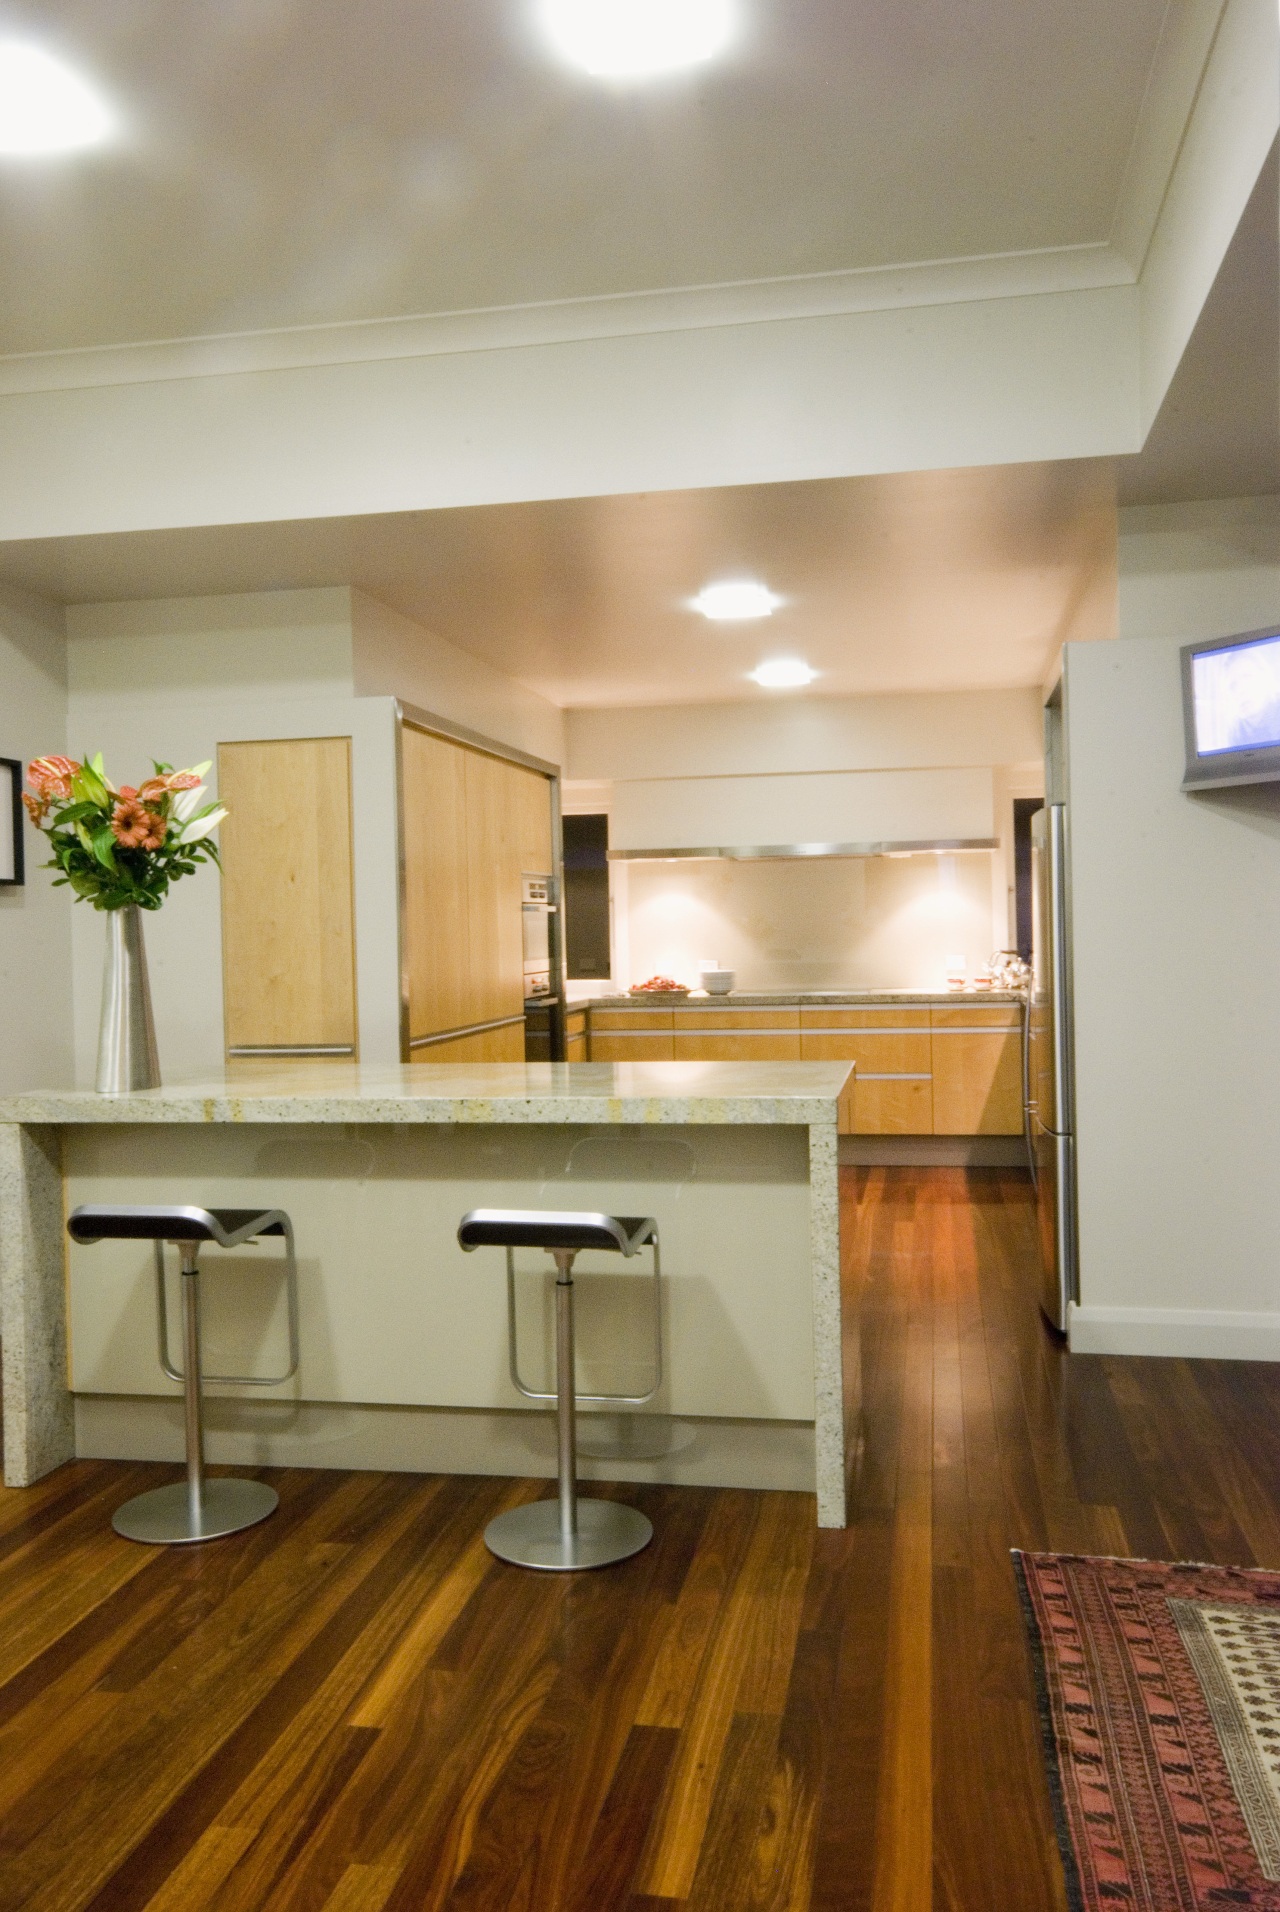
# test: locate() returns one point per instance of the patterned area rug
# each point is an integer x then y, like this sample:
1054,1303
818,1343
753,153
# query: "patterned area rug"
1159,1691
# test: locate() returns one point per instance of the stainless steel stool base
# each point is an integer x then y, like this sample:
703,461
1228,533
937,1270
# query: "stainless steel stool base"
530,1536
163,1517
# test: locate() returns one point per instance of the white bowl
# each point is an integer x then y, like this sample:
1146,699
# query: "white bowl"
718,982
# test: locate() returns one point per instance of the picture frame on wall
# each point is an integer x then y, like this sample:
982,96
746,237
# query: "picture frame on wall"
12,873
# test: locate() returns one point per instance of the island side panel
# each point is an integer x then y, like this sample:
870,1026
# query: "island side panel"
394,1315
39,1425
828,1354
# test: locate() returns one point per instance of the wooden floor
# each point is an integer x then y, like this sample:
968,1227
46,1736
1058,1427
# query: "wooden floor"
354,1708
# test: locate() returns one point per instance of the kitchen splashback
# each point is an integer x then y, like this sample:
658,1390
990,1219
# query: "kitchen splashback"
857,923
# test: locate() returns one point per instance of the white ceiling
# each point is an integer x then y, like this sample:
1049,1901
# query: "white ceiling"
294,162
923,581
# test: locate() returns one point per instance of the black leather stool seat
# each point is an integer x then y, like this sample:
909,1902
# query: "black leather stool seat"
551,1229
229,1227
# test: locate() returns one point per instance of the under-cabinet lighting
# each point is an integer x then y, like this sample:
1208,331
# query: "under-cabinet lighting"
637,39
783,673
45,107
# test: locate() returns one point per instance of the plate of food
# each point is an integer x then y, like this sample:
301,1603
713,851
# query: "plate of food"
659,986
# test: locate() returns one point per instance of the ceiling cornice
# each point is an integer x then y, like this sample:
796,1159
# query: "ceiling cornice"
680,309
1173,87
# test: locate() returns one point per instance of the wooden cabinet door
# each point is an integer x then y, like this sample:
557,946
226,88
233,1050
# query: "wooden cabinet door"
705,1034
473,824
288,911
892,1091
493,889
631,1035
977,1071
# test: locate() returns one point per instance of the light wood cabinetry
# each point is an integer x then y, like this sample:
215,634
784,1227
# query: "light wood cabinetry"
288,914
575,1035
892,1091
945,1069
485,1045
632,1035
704,1033
473,824
977,1070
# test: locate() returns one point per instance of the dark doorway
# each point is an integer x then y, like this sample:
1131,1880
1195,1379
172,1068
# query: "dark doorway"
586,896
1024,808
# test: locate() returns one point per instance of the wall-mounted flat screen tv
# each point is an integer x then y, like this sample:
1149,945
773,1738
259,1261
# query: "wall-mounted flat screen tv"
1231,710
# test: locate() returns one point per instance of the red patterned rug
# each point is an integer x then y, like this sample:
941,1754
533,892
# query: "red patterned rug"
1159,1691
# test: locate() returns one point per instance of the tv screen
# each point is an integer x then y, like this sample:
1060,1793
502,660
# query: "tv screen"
1231,710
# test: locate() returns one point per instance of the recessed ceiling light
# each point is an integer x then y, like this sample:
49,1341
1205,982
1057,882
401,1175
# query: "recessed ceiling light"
783,673
735,601
45,108
637,39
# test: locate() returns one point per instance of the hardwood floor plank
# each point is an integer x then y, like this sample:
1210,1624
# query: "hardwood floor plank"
613,1851
354,1708
286,1635
681,1822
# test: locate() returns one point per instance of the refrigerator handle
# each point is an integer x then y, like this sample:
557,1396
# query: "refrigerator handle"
1027,1135
1060,970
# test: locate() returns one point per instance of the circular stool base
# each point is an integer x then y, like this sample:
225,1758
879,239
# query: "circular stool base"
162,1517
530,1536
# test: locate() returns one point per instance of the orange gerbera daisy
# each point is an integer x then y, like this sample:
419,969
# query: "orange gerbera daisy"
134,827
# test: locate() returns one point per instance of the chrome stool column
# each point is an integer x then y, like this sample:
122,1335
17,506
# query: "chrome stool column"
566,1534
199,1509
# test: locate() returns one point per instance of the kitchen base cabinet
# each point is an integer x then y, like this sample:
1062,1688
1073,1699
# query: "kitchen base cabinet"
632,1035
892,1090
977,1071
575,1036
709,1034
946,1068
895,1105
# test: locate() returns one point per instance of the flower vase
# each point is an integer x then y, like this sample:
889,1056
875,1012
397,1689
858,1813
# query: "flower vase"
127,1054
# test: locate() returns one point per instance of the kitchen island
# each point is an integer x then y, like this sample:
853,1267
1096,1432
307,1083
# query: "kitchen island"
403,1337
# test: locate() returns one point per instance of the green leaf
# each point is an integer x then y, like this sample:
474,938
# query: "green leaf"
104,849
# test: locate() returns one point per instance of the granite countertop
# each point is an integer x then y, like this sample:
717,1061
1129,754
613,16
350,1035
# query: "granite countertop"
802,999
589,1092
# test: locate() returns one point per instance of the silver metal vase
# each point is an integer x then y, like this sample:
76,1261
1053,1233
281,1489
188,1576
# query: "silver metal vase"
127,1054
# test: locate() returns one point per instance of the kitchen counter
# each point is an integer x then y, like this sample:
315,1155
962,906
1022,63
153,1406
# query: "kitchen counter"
403,1336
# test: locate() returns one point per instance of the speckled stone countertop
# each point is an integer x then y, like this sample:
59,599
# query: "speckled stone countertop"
806,999
652,1092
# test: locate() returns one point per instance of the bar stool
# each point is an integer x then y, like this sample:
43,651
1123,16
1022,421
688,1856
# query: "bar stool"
567,1534
200,1509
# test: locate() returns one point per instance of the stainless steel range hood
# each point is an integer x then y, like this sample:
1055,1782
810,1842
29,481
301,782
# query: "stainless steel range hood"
742,853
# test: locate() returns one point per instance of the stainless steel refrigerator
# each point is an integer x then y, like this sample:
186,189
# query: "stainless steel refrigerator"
1050,1099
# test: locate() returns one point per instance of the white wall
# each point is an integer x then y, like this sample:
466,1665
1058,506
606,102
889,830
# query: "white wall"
847,923
396,657
1176,903
173,679
1199,570
35,920
159,436
783,734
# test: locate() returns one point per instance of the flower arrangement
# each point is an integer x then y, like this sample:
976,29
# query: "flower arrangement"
118,848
